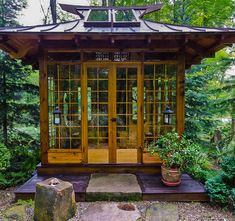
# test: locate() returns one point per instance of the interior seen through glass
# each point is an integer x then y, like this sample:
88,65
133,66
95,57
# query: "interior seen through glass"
160,92
64,91
126,108
97,96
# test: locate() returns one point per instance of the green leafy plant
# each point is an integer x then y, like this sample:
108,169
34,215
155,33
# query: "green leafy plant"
175,151
29,203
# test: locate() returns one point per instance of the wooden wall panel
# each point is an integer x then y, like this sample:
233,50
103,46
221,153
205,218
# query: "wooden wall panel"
98,156
127,155
64,157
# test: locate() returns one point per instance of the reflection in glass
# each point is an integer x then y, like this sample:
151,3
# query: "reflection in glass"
98,15
97,95
126,108
124,16
64,91
159,92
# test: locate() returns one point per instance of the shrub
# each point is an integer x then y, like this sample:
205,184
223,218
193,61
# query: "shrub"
201,173
5,157
218,190
20,165
221,187
175,151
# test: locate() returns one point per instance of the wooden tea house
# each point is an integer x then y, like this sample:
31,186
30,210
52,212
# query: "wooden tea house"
111,82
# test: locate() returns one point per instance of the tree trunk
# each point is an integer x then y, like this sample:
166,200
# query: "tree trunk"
5,134
174,12
104,3
233,120
112,2
53,10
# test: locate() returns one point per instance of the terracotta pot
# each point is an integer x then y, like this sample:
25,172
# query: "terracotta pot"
171,177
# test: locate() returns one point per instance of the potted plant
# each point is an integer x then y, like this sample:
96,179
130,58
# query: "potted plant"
177,154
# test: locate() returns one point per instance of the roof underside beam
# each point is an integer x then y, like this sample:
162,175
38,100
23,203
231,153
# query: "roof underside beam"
111,43
196,47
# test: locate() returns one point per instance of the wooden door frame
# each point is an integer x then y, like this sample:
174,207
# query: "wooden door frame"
82,155
112,66
140,102
111,148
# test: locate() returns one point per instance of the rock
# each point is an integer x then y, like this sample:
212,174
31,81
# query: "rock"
162,212
109,212
54,201
113,187
16,212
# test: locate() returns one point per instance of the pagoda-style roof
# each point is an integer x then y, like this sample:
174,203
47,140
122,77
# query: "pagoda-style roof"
116,28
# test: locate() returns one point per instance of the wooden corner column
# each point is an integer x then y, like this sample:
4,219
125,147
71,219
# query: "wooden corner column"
180,93
44,123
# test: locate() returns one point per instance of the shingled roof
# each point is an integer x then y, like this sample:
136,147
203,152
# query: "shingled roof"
198,42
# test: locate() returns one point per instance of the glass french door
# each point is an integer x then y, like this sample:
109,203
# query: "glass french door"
111,113
127,114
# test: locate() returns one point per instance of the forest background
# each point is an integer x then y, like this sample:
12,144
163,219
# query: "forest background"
210,93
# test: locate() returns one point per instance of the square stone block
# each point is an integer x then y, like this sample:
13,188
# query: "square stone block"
54,200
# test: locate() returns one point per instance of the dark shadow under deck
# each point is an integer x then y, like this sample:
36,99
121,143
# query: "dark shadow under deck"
150,184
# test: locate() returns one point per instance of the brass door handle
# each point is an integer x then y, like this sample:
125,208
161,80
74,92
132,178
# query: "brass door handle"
114,119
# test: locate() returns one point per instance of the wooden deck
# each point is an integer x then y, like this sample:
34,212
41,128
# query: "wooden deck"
80,183
150,184
153,189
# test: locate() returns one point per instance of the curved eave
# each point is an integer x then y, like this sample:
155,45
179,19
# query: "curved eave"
198,42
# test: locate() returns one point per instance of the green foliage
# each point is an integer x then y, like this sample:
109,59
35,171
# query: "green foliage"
202,103
201,169
190,12
5,157
10,10
19,102
221,187
228,168
28,203
19,110
200,173
218,190
21,165
175,152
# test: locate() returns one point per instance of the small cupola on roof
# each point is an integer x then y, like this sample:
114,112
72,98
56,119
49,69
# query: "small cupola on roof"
98,16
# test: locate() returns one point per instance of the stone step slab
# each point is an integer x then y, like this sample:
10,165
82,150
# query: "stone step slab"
113,187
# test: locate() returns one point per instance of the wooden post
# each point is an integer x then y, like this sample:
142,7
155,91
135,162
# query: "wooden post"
84,113
180,80
44,123
140,112
112,114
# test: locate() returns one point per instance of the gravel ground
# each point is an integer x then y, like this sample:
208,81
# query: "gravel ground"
6,199
187,211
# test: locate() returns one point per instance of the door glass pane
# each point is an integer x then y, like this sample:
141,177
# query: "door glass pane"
64,91
97,97
159,92
126,108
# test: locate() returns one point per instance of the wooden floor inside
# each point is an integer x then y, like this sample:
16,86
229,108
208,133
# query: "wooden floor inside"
150,184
